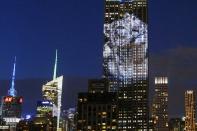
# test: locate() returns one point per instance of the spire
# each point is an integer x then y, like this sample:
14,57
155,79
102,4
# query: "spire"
55,67
12,91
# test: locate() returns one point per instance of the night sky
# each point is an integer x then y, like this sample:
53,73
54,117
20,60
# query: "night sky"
33,29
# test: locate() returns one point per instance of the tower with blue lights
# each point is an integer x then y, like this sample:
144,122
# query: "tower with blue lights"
11,105
12,92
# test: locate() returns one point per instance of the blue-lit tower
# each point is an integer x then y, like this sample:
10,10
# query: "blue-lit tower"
11,105
12,92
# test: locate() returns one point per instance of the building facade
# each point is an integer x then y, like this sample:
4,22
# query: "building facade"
97,112
97,108
176,124
190,110
160,104
52,91
125,63
69,119
98,85
11,107
44,109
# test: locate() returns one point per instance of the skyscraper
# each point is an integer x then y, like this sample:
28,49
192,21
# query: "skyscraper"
160,104
126,46
52,91
11,105
190,110
125,62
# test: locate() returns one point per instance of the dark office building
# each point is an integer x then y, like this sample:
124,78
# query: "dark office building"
97,111
24,125
125,62
176,124
11,107
160,104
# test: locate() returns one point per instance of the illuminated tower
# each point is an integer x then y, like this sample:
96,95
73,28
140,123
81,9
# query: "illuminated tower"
11,106
160,104
190,110
125,49
52,91
12,91
125,63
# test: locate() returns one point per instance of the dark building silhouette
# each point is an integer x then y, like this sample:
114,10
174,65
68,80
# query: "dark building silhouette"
24,125
176,124
37,124
97,109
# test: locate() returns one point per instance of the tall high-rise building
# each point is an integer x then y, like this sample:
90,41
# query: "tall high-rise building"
52,91
160,104
126,43
125,61
190,110
11,105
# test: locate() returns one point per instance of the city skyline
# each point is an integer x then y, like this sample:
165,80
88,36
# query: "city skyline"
37,65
